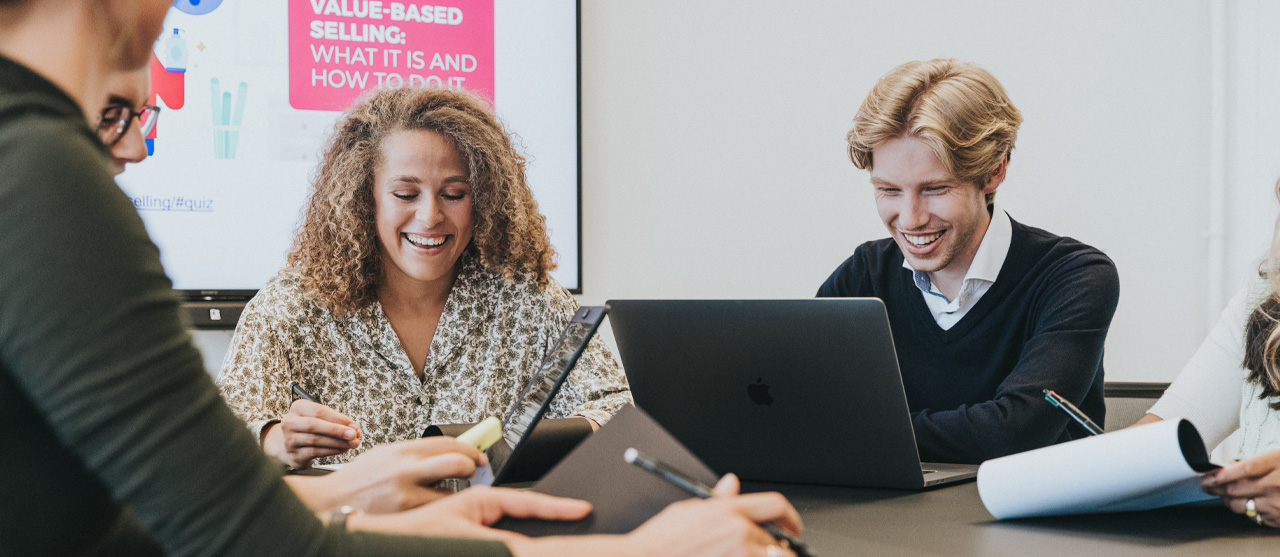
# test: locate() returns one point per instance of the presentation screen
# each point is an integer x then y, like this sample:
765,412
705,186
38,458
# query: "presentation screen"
250,89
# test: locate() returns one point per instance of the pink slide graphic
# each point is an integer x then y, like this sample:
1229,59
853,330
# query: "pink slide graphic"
341,48
169,87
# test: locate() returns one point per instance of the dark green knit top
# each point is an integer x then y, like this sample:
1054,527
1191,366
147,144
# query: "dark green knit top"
104,402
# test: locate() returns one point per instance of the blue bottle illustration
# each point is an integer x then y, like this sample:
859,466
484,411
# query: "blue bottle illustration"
175,50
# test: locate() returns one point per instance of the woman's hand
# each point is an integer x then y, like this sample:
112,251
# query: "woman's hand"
310,431
471,512
727,524
1148,418
1256,479
391,477
594,426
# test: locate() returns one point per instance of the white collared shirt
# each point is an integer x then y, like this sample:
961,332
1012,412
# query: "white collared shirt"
981,275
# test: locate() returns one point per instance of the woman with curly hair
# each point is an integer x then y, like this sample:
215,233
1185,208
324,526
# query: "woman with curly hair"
1232,383
416,291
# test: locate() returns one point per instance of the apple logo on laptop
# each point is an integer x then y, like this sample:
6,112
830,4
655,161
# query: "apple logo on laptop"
759,392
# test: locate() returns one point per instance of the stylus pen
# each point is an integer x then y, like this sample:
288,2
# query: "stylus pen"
301,392
1072,411
700,489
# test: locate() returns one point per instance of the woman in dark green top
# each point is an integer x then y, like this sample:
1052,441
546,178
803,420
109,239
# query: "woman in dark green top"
103,398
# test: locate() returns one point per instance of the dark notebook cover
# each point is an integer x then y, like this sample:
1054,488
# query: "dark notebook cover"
623,496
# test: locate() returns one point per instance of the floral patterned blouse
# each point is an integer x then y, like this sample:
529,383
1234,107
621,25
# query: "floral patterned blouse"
491,337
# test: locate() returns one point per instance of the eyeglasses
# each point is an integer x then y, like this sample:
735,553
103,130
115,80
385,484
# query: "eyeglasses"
116,119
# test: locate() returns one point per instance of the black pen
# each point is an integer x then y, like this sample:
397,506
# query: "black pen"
302,393
700,489
1072,411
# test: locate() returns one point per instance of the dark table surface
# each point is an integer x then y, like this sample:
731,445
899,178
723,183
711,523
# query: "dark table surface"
952,521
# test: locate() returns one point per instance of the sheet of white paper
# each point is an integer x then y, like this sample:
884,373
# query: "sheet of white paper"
1132,469
483,476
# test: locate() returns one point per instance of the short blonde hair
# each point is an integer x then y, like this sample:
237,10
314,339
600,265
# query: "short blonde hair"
957,108
335,250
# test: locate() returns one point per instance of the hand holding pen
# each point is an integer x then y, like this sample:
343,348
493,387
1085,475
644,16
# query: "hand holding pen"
770,511
309,430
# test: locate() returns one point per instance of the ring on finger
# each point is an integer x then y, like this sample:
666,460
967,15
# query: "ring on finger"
1250,508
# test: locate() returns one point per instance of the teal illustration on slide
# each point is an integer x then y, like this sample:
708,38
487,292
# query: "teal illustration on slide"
226,123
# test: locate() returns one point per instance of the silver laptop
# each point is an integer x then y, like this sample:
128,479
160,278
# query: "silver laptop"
802,391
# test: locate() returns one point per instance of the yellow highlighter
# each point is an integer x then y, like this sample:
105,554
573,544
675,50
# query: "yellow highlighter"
484,434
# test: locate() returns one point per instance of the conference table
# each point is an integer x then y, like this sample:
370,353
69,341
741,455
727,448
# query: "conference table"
952,521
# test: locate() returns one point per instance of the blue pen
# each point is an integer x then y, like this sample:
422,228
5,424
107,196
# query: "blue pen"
1072,411
699,489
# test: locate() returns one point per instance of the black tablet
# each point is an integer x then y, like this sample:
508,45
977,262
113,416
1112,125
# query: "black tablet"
542,388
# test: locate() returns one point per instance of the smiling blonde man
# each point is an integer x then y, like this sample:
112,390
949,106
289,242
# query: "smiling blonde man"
986,312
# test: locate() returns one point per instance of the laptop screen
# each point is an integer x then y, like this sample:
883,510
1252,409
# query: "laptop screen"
542,388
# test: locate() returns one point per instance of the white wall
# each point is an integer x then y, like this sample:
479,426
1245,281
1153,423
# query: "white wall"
1252,141
714,158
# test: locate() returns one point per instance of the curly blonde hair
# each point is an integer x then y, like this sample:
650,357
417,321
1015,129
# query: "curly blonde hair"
335,253
1262,330
960,110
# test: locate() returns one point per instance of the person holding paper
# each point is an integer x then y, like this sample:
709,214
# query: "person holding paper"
416,292
118,441
1233,382
986,312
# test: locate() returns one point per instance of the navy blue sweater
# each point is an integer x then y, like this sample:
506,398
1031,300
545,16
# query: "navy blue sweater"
975,389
